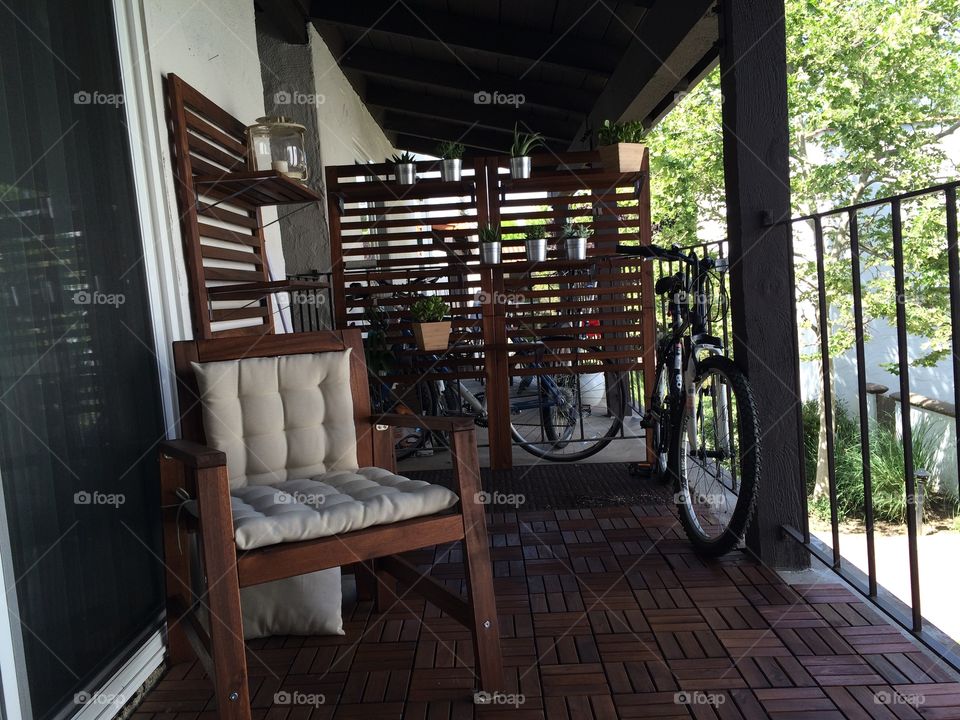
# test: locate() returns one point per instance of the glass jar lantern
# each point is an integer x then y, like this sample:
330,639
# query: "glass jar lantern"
276,143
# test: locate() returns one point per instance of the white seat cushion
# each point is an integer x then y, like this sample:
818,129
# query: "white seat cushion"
329,504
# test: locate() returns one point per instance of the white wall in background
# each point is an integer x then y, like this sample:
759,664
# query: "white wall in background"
211,45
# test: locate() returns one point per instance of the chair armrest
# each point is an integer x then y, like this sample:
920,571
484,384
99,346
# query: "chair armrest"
441,424
193,454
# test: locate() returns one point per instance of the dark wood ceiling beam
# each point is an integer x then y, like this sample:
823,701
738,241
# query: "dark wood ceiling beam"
397,18
670,41
436,131
499,117
456,76
289,18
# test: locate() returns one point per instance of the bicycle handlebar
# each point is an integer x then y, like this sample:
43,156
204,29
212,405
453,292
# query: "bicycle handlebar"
656,252
651,252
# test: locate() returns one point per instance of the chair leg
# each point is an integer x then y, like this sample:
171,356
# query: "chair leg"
376,585
483,605
223,595
176,555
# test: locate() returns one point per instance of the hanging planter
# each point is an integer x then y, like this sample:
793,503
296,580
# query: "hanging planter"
520,161
404,169
430,329
451,161
535,240
621,146
575,240
490,246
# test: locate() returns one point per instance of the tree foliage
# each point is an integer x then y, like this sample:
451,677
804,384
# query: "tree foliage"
873,88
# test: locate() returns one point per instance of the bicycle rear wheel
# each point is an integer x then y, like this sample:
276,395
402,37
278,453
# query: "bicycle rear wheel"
564,416
715,458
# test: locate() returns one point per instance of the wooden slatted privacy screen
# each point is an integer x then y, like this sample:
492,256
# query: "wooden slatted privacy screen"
392,244
219,203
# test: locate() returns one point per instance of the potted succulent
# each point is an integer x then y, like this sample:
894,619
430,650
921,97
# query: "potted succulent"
451,156
621,146
430,328
575,240
489,245
523,143
405,169
536,241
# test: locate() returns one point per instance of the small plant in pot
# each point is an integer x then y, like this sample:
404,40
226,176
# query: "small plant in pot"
523,143
405,169
489,245
535,239
451,157
430,328
621,146
575,238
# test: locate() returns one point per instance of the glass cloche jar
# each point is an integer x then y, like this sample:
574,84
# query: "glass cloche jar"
277,143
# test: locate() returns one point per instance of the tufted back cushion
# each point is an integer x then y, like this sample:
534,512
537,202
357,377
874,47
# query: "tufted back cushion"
279,418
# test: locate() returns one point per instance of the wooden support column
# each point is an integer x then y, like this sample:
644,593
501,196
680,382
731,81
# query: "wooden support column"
757,177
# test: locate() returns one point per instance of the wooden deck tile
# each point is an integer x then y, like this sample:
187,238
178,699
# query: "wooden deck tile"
604,614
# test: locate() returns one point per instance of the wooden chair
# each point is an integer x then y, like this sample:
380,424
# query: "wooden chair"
190,468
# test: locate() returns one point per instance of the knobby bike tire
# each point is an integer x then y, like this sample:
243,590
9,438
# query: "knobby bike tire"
748,444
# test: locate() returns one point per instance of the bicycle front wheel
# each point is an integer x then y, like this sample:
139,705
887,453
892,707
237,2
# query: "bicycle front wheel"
566,416
715,457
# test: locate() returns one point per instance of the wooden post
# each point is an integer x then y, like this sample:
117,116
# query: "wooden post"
753,69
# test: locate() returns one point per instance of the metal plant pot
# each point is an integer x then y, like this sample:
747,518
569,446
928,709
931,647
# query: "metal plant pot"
450,169
520,167
406,173
490,253
537,250
576,248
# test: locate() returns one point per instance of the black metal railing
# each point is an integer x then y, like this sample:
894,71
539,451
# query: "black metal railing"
886,216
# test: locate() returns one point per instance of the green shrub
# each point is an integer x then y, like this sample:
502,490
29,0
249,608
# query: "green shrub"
886,465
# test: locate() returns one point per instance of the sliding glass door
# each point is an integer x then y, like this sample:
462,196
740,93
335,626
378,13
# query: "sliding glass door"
79,393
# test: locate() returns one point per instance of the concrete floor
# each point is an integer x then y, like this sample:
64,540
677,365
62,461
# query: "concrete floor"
628,448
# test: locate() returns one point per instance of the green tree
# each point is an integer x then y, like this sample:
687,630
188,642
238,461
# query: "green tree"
873,88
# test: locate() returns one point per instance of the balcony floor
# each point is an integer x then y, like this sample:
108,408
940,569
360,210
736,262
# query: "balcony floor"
605,613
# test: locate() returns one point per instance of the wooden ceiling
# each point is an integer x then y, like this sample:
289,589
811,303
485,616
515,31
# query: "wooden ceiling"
425,68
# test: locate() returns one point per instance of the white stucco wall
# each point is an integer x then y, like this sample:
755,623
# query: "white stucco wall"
212,46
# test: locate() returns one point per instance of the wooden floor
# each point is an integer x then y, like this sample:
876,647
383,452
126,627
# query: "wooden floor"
605,613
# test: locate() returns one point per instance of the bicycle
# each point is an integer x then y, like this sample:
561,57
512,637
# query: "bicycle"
702,420
552,409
